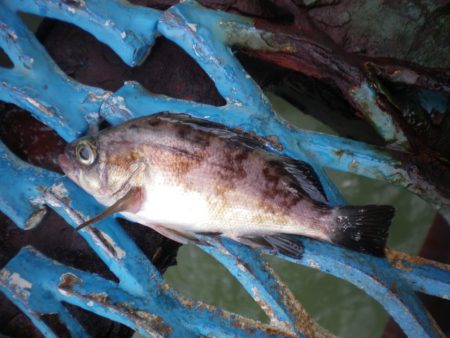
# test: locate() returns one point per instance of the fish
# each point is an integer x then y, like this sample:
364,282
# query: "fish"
183,177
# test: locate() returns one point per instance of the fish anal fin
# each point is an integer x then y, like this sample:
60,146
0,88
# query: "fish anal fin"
131,202
285,244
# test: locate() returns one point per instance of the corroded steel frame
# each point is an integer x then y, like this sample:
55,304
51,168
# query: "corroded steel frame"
141,299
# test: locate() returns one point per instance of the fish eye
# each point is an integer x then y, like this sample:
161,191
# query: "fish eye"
86,152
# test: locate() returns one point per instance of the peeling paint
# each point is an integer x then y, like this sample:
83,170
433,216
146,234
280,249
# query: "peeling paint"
35,218
59,193
40,106
193,27
14,281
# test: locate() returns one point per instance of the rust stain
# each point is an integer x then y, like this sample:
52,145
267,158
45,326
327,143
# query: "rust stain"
101,297
151,322
406,262
275,142
339,153
68,280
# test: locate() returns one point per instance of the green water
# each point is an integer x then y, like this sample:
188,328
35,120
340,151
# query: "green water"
335,304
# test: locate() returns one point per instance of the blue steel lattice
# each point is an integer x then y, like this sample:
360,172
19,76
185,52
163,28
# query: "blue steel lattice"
141,299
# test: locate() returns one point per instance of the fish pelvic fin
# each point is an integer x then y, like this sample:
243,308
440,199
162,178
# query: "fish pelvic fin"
363,228
130,202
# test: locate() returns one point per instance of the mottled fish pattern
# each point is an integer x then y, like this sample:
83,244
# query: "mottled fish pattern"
184,176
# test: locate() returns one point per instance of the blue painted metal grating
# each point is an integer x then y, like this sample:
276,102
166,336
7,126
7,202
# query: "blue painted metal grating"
141,299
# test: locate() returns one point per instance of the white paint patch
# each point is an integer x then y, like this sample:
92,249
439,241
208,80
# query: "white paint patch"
108,23
71,10
17,280
123,35
40,106
118,101
60,191
313,264
90,303
192,26
96,98
20,285
12,35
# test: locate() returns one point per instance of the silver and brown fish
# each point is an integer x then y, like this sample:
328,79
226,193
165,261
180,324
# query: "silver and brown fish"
184,176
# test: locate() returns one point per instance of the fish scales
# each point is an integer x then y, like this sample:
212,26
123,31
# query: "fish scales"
228,187
182,176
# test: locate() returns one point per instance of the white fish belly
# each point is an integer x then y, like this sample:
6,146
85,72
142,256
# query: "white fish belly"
180,208
174,206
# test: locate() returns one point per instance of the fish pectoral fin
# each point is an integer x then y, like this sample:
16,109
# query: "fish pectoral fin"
130,202
285,244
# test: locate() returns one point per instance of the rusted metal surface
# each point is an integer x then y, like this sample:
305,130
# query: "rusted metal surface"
141,299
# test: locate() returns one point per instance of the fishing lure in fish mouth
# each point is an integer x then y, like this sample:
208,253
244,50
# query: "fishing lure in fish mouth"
184,176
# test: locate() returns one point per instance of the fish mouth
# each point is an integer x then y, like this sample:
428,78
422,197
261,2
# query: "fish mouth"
65,164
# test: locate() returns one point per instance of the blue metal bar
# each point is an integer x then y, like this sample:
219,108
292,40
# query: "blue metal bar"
16,290
423,275
129,30
37,85
188,26
377,278
260,281
22,184
142,300
163,314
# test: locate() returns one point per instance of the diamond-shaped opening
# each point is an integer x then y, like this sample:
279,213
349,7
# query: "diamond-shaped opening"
13,322
53,321
28,138
5,61
317,106
168,70
32,21
54,238
335,304
199,276
98,326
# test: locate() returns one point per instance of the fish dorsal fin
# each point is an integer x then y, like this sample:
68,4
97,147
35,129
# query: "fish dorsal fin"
130,202
220,130
303,174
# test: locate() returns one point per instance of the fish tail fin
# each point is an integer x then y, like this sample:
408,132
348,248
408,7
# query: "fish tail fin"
363,228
